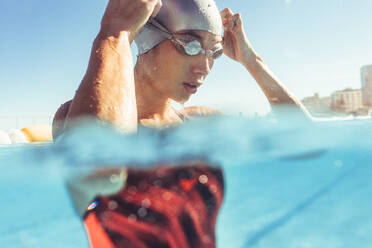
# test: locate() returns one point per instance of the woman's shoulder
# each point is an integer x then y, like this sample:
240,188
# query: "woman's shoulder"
59,118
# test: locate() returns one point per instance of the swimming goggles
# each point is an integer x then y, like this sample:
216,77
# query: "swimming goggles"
190,48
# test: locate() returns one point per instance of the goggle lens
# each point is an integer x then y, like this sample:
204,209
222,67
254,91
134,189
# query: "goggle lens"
194,47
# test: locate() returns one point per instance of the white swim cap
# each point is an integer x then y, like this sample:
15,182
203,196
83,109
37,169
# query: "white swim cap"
180,15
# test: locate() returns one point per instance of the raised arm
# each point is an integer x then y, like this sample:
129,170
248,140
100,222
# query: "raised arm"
238,48
107,90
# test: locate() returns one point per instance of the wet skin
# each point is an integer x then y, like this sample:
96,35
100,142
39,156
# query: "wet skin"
115,91
162,74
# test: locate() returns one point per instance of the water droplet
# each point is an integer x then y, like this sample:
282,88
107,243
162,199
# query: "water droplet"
203,179
132,217
213,188
142,212
112,205
146,203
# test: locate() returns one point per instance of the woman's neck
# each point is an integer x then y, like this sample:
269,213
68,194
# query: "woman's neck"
151,104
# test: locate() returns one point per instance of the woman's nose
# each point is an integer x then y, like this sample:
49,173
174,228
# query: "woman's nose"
203,64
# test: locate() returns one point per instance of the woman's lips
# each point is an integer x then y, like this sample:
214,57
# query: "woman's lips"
191,88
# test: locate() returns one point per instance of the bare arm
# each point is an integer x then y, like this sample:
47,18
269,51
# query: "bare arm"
107,91
282,102
237,47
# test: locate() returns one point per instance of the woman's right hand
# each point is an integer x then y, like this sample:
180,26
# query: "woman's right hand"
128,16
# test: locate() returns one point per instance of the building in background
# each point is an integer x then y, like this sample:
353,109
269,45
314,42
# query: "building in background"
347,100
317,105
366,78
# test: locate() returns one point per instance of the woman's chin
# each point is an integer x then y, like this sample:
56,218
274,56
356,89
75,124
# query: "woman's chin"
182,99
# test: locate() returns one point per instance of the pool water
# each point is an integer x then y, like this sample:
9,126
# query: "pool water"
287,185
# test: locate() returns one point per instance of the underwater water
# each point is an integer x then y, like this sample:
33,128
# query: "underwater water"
286,185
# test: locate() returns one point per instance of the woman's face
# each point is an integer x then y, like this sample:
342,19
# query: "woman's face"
176,75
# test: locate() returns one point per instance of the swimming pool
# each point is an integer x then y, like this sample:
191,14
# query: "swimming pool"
287,185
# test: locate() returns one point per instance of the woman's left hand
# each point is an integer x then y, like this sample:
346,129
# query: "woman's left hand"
235,43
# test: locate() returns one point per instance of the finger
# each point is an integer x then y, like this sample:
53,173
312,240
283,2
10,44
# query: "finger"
236,20
157,8
226,14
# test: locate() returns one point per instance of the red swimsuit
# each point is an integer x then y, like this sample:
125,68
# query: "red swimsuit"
173,207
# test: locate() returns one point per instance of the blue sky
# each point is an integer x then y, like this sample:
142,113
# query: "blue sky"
311,45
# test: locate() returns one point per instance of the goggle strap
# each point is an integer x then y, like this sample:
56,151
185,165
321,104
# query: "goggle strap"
153,22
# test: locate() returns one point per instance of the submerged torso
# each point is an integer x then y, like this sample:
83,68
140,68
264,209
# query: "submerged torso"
178,117
173,207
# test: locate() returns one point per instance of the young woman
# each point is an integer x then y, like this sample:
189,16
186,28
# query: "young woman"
178,41
177,49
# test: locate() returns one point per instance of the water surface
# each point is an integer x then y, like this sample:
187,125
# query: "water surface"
287,185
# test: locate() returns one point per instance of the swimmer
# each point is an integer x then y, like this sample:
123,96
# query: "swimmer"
178,42
177,47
